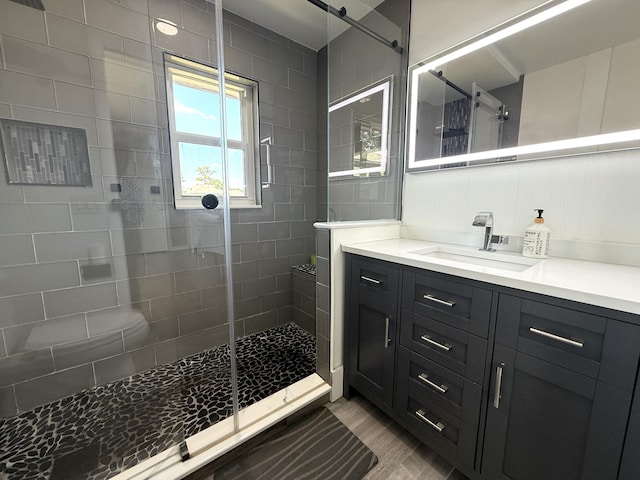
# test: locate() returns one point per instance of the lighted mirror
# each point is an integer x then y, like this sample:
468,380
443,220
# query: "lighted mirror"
359,127
558,80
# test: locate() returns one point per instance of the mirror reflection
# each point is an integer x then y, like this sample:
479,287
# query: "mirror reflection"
565,84
359,132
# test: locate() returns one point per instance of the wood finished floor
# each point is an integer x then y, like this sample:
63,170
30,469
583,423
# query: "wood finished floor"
401,456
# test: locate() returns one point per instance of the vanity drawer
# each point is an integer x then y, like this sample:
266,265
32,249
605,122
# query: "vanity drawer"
374,277
580,341
434,384
440,430
448,300
455,349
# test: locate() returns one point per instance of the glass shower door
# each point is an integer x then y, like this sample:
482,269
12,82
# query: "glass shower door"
114,301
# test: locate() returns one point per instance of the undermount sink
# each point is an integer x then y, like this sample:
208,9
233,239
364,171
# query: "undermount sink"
498,260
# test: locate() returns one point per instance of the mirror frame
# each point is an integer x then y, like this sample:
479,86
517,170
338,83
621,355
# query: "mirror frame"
536,151
384,86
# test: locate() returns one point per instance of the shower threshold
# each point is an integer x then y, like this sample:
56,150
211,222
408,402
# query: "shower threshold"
100,433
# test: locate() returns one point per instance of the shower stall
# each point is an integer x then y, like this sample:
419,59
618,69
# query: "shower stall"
156,298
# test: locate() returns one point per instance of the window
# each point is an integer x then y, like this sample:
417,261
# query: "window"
193,100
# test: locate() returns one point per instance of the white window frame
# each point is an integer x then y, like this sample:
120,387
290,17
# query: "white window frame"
247,90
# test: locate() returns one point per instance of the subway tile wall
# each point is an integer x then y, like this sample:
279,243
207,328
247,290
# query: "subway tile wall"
356,61
115,263
323,303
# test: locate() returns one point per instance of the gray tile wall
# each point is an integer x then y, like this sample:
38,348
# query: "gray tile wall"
323,305
303,300
356,61
115,262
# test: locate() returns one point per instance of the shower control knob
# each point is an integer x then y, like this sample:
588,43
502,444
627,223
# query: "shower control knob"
210,201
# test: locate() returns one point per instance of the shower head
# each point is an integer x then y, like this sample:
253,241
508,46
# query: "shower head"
37,4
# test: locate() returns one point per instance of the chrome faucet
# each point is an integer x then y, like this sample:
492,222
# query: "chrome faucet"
485,219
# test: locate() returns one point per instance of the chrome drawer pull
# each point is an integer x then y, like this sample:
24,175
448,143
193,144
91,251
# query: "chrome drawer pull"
439,427
443,346
437,300
568,341
369,279
387,340
497,395
439,388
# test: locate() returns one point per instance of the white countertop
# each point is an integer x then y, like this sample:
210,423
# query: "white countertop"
602,284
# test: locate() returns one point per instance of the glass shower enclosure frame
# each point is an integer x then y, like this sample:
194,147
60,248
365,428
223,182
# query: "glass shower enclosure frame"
103,280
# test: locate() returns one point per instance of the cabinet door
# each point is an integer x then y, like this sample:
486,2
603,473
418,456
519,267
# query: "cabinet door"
372,348
547,422
372,329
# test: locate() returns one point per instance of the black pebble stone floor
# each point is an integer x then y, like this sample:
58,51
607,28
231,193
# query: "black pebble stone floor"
98,433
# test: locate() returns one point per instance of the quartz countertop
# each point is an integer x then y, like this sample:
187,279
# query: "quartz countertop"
602,284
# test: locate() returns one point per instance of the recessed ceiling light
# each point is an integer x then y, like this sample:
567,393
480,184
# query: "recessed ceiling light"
166,26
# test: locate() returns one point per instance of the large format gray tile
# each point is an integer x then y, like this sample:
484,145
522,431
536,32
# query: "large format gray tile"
16,249
257,251
35,218
290,246
175,305
27,90
125,365
88,350
34,336
53,387
21,309
37,278
51,247
114,18
144,288
157,332
258,286
69,301
286,212
23,22
84,39
18,368
8,407
199,279
72,9
29,57
198,321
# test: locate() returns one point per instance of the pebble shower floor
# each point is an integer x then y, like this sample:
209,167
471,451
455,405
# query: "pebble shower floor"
97,434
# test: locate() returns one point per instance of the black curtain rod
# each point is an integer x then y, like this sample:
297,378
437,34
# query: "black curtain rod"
342,15
451,84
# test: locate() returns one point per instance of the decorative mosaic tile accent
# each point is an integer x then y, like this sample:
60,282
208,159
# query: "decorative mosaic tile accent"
307,268
35,153
128,421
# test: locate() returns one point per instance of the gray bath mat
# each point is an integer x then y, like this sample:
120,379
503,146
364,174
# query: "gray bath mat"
316,447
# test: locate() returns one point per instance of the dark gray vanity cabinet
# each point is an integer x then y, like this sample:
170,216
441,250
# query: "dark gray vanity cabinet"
441,361
561,388
371,329
504,384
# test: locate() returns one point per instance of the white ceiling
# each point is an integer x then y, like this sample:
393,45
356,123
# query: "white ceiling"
300,20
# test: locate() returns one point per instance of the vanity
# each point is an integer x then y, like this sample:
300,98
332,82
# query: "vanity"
510,369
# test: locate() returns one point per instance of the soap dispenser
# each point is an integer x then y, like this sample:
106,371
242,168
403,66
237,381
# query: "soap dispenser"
536,238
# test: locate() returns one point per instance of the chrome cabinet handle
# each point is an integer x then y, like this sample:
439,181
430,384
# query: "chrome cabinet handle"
440,388
369,279
431,298
496,395
439,426
387,340
443,346
557,338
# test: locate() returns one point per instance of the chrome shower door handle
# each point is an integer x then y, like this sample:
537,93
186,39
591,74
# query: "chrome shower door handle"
498,388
